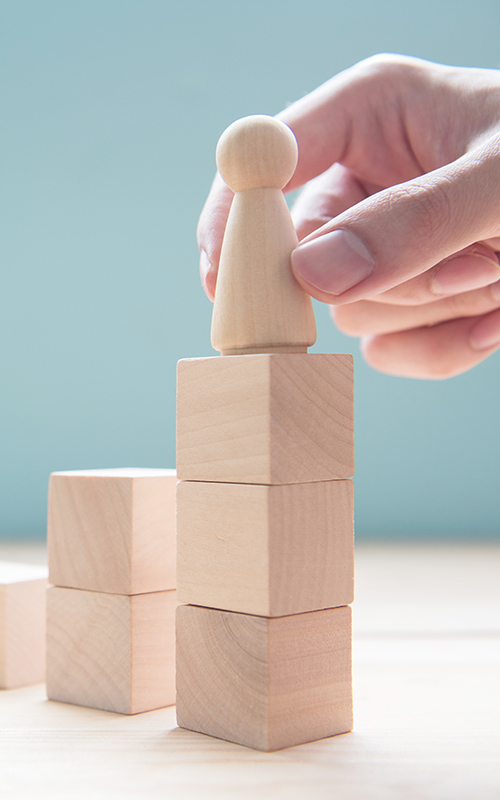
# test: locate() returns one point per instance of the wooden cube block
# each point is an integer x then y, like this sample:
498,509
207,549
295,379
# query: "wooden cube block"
112,530
22,624
264,683
268,550
109,651
267,418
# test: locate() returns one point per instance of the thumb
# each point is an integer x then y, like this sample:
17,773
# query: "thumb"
403,231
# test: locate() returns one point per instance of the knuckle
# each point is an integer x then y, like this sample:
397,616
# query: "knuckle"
389,67
426,208
469,304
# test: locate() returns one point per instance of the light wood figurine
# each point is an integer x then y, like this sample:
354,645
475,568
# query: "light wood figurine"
259,306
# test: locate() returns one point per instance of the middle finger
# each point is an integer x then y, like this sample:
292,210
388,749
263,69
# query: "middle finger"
472,268
369,317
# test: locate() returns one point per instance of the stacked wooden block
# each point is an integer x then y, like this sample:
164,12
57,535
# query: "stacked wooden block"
22,624
264,502
111,609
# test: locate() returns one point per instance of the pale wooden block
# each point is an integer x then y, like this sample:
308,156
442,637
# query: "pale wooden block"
267,418
109,651
268,550
265,683
22,624
112,530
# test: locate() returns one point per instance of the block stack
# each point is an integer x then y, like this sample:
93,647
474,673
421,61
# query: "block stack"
111,609
264,504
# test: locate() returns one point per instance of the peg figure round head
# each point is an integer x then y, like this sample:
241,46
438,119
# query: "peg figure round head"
257,152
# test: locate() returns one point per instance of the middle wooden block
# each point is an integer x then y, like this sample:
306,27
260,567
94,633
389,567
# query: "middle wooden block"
265,550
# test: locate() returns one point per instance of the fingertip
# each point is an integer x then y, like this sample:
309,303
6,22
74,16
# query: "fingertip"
347,320
367,351
208,275
333,263
210,232
486,332
314,291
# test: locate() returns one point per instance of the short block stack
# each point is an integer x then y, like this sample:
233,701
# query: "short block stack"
111,610
264,504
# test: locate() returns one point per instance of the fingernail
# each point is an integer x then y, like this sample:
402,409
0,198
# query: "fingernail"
486,332
334,262
464,273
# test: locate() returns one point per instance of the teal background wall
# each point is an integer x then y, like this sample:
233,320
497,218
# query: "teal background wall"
109,115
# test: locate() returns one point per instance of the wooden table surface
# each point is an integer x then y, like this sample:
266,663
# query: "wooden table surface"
427,706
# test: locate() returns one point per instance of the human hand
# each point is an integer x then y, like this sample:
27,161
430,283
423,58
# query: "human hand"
400,217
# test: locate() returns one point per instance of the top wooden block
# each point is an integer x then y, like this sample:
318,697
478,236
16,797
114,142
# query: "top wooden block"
112,530
269,418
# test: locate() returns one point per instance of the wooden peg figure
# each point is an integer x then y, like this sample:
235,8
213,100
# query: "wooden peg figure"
259,306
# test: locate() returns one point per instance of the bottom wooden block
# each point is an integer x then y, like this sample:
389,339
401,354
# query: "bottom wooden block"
22,624
110,651
267,683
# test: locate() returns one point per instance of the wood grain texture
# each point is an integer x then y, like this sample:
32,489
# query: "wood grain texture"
259,306
112,530
22,624
267,550
265,683
427,722
112,652
269,418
